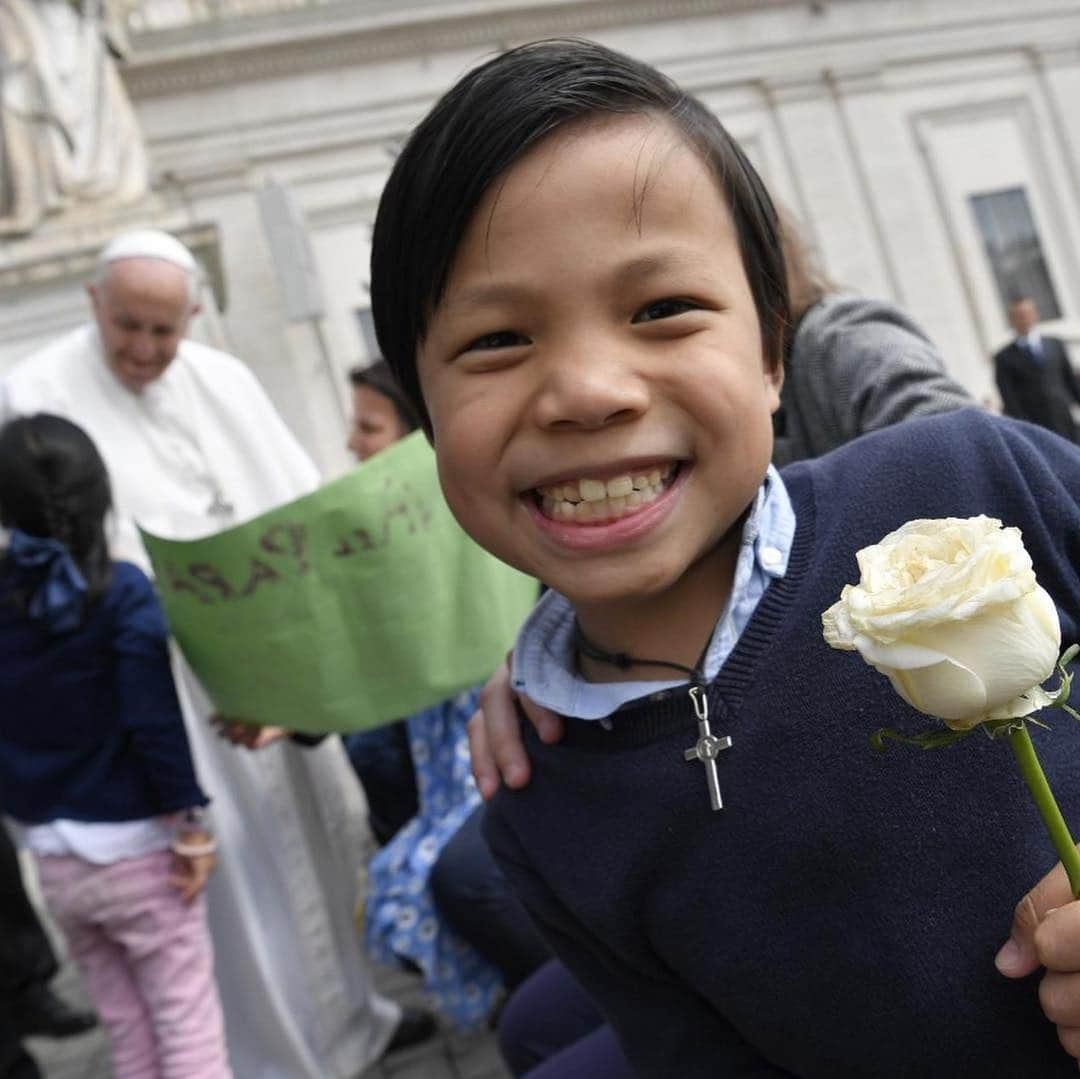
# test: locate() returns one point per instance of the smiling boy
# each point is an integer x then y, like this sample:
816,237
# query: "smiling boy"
576,276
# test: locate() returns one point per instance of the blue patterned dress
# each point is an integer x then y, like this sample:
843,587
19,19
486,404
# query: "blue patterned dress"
401,921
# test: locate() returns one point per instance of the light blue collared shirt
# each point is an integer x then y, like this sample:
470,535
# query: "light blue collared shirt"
545,665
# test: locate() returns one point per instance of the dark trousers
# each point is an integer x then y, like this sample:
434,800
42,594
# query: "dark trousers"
475,900
550,1029
26,956
383,763
15,1061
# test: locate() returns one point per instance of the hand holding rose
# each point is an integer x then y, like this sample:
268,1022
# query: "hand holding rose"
1046,932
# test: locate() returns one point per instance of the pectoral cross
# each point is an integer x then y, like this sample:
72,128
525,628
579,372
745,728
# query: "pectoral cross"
219,507
708,747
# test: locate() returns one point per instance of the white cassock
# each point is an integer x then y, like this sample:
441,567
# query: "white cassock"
199,449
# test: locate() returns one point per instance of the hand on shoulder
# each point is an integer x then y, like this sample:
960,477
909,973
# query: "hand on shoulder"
495,745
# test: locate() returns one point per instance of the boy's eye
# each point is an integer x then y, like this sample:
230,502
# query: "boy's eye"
663,309
499,339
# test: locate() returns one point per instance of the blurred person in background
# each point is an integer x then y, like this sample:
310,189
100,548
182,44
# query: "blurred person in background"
95,766
1036,381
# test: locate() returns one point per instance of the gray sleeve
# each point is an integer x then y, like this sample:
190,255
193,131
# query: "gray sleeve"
859,365
6,411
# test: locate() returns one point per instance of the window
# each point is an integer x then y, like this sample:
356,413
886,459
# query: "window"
1012,245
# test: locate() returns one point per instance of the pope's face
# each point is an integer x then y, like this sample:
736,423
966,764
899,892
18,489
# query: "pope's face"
595,373
142,310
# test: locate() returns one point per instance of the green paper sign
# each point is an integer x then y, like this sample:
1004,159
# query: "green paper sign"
350,607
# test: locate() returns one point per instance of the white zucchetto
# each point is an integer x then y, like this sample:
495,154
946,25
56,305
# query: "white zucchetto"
149,244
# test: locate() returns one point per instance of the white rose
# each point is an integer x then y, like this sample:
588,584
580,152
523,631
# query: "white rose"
950,611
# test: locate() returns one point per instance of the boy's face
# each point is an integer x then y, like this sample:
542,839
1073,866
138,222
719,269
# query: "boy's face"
594,373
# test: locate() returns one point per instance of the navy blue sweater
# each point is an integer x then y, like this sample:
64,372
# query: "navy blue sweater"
839,917
90,727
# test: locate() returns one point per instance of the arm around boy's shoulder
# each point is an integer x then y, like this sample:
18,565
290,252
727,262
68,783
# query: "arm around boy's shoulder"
859,365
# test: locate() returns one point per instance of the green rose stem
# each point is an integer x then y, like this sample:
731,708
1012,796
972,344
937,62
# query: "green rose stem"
1034,777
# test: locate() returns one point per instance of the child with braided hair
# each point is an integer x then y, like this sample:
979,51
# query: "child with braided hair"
95,766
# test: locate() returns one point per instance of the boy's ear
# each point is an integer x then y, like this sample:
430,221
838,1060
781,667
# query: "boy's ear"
774,382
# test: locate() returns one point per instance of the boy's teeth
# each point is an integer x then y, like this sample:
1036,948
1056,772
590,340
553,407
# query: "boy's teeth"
593,490
597,500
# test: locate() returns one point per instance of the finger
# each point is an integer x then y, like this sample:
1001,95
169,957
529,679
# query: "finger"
183,886
1018,956
483,763
1057,940
548,725
500,753
1070,1040
264,736
249,737
1059,995
502,729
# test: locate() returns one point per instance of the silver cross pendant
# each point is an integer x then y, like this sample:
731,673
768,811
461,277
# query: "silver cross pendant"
708,746
219,507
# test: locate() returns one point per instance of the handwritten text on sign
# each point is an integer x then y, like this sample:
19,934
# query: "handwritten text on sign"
354,605
284,550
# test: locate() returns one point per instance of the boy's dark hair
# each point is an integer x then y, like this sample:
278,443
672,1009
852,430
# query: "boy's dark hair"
380,378
53,484
490,119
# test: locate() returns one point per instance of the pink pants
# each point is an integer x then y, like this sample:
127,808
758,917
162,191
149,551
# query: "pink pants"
148,963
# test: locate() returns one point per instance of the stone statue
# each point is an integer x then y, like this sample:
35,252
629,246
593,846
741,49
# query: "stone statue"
68,133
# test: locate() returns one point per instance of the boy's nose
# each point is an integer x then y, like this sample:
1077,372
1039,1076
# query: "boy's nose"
587,392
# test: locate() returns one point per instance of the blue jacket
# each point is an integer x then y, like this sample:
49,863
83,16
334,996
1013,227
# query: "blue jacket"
90,726
840,915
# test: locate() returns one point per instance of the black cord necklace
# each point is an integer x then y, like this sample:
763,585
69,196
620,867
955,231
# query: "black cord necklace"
624,661
709,746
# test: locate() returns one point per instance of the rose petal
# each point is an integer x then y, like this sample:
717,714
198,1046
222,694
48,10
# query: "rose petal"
947,690
899,654
1012,647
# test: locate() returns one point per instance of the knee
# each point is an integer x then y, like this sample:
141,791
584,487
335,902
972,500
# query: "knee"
464,871
516,1035
450,879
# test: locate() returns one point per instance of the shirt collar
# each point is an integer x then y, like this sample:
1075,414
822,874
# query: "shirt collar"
544,664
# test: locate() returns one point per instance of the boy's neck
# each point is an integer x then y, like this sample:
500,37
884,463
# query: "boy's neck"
674,626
